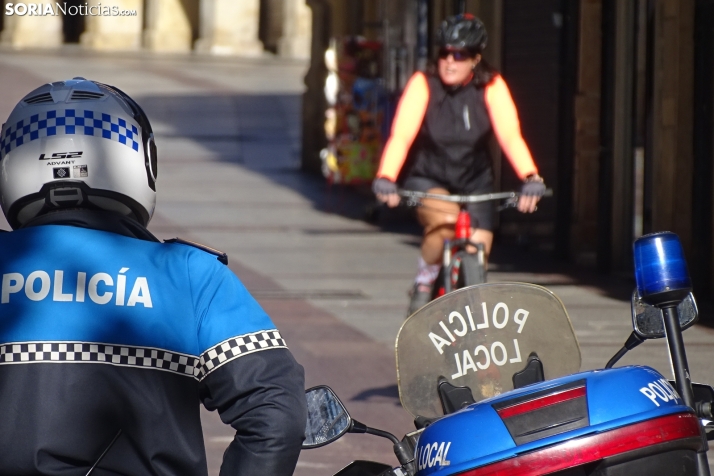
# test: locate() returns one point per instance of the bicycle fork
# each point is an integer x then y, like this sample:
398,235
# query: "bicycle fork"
463,231
446,268
462,235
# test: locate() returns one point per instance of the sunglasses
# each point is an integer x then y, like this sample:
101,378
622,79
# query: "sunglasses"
458,55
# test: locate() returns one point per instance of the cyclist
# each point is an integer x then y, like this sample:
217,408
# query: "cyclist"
443,123
106,332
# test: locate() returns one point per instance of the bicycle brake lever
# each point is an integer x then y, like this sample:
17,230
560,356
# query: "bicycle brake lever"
510,203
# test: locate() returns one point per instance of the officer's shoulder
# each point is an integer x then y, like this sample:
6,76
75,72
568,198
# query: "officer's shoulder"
220,255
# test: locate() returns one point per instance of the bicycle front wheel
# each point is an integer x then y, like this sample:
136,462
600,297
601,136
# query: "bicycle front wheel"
469,270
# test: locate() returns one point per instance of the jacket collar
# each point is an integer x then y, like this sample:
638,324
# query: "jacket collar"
94,220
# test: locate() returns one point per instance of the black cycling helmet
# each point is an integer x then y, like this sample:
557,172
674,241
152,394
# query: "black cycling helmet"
463,31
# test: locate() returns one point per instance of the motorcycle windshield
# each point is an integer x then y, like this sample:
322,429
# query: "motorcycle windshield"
479,337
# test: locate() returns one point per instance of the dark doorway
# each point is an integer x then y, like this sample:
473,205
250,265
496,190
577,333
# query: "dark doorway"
702,222
72,25
568,86
532,67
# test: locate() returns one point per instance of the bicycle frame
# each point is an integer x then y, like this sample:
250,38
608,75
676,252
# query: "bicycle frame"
462,240
462,230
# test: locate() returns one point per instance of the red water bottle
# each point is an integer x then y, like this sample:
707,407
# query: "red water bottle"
462,229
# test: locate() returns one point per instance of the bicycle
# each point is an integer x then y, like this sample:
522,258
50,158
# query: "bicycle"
460,267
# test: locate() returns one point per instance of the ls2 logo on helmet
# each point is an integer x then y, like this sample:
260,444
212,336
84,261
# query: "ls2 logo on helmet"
59,158
62,155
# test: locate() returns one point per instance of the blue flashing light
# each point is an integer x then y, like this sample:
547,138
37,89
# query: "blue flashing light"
660,267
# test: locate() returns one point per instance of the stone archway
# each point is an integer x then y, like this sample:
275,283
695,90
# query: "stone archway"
73,25
171,25
30,31
270,27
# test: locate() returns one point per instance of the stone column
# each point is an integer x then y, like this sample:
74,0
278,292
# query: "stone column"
622,155
672,125
314,103
297,30
113,28
584,228
31,31
168,28
229,27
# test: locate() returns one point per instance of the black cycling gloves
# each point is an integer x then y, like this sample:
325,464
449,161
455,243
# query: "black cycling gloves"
533,187
383,186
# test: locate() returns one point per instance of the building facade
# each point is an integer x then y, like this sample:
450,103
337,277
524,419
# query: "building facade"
616,98
615,101
220,27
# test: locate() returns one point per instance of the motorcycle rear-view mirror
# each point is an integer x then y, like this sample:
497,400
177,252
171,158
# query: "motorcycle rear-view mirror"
363,468
648,321
327,417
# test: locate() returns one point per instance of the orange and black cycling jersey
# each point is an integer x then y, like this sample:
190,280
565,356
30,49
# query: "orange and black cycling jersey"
445,132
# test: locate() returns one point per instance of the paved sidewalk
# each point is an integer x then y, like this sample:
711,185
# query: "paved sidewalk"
228,133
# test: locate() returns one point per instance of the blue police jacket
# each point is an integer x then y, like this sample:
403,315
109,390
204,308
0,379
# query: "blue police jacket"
103,333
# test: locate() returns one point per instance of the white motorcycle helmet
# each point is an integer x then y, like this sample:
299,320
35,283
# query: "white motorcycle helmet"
77,143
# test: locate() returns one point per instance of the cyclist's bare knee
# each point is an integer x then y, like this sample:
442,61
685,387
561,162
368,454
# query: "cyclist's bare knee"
432,248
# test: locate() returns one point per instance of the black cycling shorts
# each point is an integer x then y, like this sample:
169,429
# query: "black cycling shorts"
481,213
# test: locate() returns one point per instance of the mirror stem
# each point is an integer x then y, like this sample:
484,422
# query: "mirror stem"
358,427
633,341
681,371
679,356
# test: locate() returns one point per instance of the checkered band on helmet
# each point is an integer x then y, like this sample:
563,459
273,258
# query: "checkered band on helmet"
463,31
77,143
68,121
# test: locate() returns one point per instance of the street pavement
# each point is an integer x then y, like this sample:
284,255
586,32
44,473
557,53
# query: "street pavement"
228,133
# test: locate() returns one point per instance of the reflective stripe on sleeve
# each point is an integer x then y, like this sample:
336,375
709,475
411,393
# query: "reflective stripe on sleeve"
407,122
504,118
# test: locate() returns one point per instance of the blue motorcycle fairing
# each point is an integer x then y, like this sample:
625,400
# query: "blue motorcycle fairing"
477,436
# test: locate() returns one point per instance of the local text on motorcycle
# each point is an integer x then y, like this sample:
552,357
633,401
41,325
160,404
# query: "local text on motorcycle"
433,454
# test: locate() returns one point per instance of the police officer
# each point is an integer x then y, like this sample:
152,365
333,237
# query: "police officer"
109,338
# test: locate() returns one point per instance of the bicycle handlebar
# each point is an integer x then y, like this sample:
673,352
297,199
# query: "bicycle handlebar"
466,198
